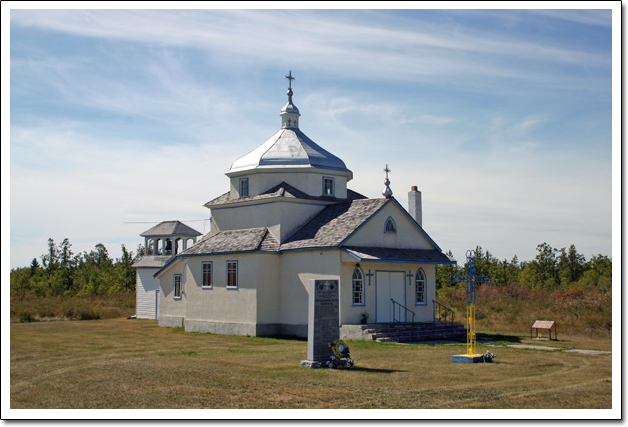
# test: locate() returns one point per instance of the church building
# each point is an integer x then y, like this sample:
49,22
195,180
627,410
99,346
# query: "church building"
289,217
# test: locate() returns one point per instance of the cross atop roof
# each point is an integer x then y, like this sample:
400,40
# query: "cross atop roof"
290,78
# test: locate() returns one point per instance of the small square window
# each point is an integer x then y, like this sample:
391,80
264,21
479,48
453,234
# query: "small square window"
328,187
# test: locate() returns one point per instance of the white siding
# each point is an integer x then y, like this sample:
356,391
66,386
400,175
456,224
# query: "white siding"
146,294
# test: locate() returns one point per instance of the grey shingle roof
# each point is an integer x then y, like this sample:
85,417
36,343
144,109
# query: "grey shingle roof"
250,239
419,256
281,190
334,224
152,261
170,228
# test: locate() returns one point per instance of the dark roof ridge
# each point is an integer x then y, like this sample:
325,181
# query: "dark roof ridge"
284,190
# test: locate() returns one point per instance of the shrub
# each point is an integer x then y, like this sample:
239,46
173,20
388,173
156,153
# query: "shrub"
576,310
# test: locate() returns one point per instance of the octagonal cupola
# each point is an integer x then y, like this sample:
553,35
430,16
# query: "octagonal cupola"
289,156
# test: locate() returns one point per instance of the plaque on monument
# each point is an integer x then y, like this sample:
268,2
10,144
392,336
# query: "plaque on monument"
323,321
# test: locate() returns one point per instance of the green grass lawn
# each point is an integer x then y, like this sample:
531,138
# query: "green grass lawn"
119,363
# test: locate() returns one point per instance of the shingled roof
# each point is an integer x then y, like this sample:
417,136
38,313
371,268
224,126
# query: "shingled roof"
170,228
246,240
152,261
334,224
280,190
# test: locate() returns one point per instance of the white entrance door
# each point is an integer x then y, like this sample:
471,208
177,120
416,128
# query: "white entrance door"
389,285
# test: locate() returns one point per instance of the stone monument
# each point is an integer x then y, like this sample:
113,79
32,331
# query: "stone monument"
323,322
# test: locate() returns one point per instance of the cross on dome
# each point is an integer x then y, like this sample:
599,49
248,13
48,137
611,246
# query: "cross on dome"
290,78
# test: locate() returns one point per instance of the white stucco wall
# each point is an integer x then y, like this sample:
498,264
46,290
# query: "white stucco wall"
308,180
268,278
171,310
297,268
281,218
219,303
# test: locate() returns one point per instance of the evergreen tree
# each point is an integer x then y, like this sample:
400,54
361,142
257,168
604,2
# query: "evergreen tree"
570,265
34,267
126,273
545,266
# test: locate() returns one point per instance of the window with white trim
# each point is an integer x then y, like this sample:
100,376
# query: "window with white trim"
207,273
419,287
358,286
390,226
178,285
244,187
232,274
328,186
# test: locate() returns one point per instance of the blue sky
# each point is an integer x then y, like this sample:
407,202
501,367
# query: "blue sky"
120,119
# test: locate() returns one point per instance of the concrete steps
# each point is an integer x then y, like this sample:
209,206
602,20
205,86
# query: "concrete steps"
415,332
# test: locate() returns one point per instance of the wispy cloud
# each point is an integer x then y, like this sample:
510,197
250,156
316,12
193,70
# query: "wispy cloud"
321,39
590,16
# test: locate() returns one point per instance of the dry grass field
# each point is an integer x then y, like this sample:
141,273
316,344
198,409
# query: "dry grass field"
120,363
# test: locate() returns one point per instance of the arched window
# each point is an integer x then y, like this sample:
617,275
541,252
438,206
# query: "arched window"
419,288
390,226
358,286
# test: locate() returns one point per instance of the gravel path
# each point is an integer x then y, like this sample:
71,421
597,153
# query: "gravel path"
571,350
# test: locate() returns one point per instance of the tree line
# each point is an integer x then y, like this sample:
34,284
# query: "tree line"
552,269
61,272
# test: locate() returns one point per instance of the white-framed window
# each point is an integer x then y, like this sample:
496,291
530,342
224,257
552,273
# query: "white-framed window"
357,282
178,286
232,274
390,226
419,288
244,187
329,186
208,274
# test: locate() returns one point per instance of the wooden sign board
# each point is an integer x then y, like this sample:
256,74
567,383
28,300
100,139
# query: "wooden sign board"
543,324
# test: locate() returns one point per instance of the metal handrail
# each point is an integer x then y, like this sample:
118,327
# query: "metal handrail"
400,306
442,313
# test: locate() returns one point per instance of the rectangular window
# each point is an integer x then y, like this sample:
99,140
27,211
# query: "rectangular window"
207,274
328,186
358,292
244,187
232,274
177,286
358,286
420,292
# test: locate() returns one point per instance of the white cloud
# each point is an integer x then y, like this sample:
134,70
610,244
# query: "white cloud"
94,189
